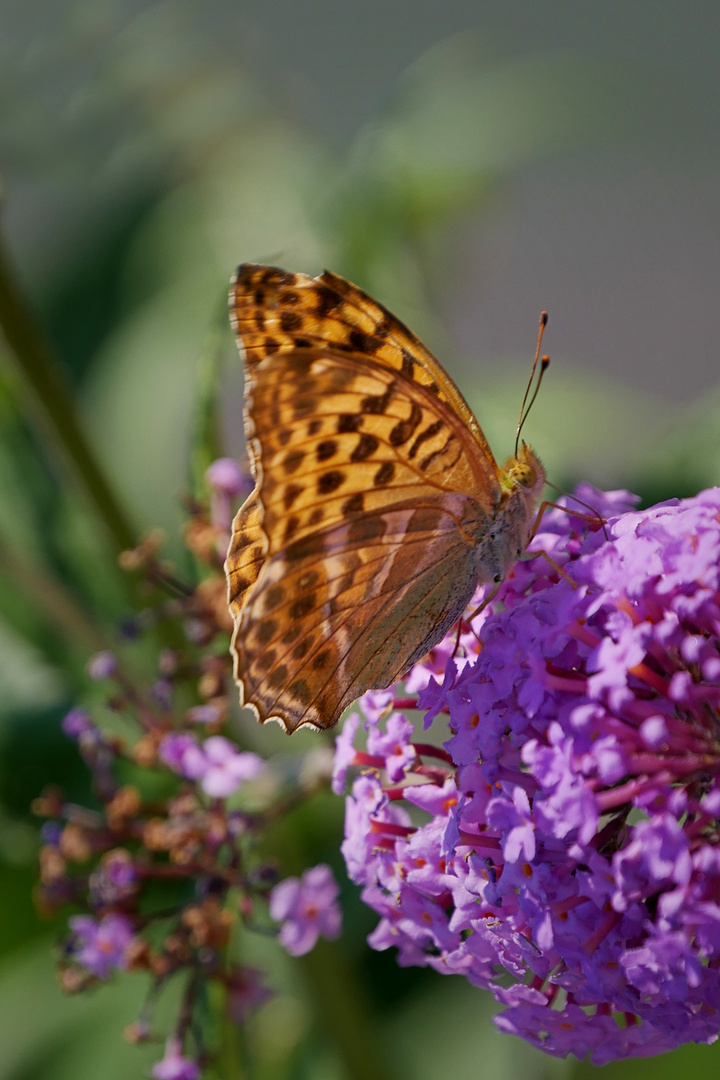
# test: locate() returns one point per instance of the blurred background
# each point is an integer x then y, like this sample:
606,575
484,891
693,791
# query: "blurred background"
467,163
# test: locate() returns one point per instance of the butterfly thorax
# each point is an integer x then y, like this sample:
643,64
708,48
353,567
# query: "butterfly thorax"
506,536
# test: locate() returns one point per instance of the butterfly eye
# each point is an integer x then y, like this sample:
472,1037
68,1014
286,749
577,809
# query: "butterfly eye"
523,475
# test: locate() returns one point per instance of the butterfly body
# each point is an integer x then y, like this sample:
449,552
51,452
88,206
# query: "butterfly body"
378,506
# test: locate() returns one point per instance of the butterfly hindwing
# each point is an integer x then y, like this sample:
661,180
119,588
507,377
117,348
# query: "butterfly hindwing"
352,606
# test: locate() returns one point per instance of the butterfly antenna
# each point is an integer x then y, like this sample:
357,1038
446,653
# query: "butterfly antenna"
544,363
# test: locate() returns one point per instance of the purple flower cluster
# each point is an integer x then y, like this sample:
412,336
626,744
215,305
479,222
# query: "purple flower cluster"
307,907
218,765
559,842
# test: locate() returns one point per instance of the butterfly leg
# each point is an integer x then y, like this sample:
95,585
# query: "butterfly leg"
592,518
457,639
527,555
481,607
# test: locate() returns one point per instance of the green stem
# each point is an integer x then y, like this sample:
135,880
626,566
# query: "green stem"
52,600
44,378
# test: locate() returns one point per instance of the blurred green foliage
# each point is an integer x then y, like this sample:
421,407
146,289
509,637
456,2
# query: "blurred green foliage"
203,174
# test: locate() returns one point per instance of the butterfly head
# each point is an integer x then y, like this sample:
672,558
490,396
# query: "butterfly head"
524,473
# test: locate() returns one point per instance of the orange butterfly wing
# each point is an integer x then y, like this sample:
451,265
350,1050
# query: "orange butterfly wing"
272,310
370,504
378,503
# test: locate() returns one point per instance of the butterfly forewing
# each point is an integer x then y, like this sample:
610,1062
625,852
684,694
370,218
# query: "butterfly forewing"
276,311
333,435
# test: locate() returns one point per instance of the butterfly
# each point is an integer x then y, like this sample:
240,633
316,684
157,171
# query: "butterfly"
378,507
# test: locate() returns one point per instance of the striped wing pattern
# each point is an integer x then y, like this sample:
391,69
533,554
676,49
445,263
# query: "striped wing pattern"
374,487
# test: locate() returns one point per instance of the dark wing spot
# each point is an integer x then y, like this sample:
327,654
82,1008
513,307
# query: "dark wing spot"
259,296
284,436
290,320
307,548
346,582
260,320
313,427
404,428
266,631
302,607
383,327
308,579
349,422
274,596
288,296
316,516
353,505
327,301
291,527
367,446
291,634
299,690
241,541
292,461
273,275
365,529
239,583
271,345
426,519
277,677
427,461
330,481
266,659
326,449
408,365
302,648
290,494
321,659
377,403
384,474
364,343
304,406
430,430
302,343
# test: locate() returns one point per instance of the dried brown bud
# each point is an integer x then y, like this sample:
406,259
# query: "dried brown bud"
144,751
125,804
75,843
49,804
209,924
73,979
138,557
156,835
138,955
52,865
138,1032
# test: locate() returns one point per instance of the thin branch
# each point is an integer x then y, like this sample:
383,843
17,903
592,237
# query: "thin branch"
44,378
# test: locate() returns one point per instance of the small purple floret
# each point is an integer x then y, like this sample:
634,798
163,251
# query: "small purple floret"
219,766
99,946
307,908
174,1066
